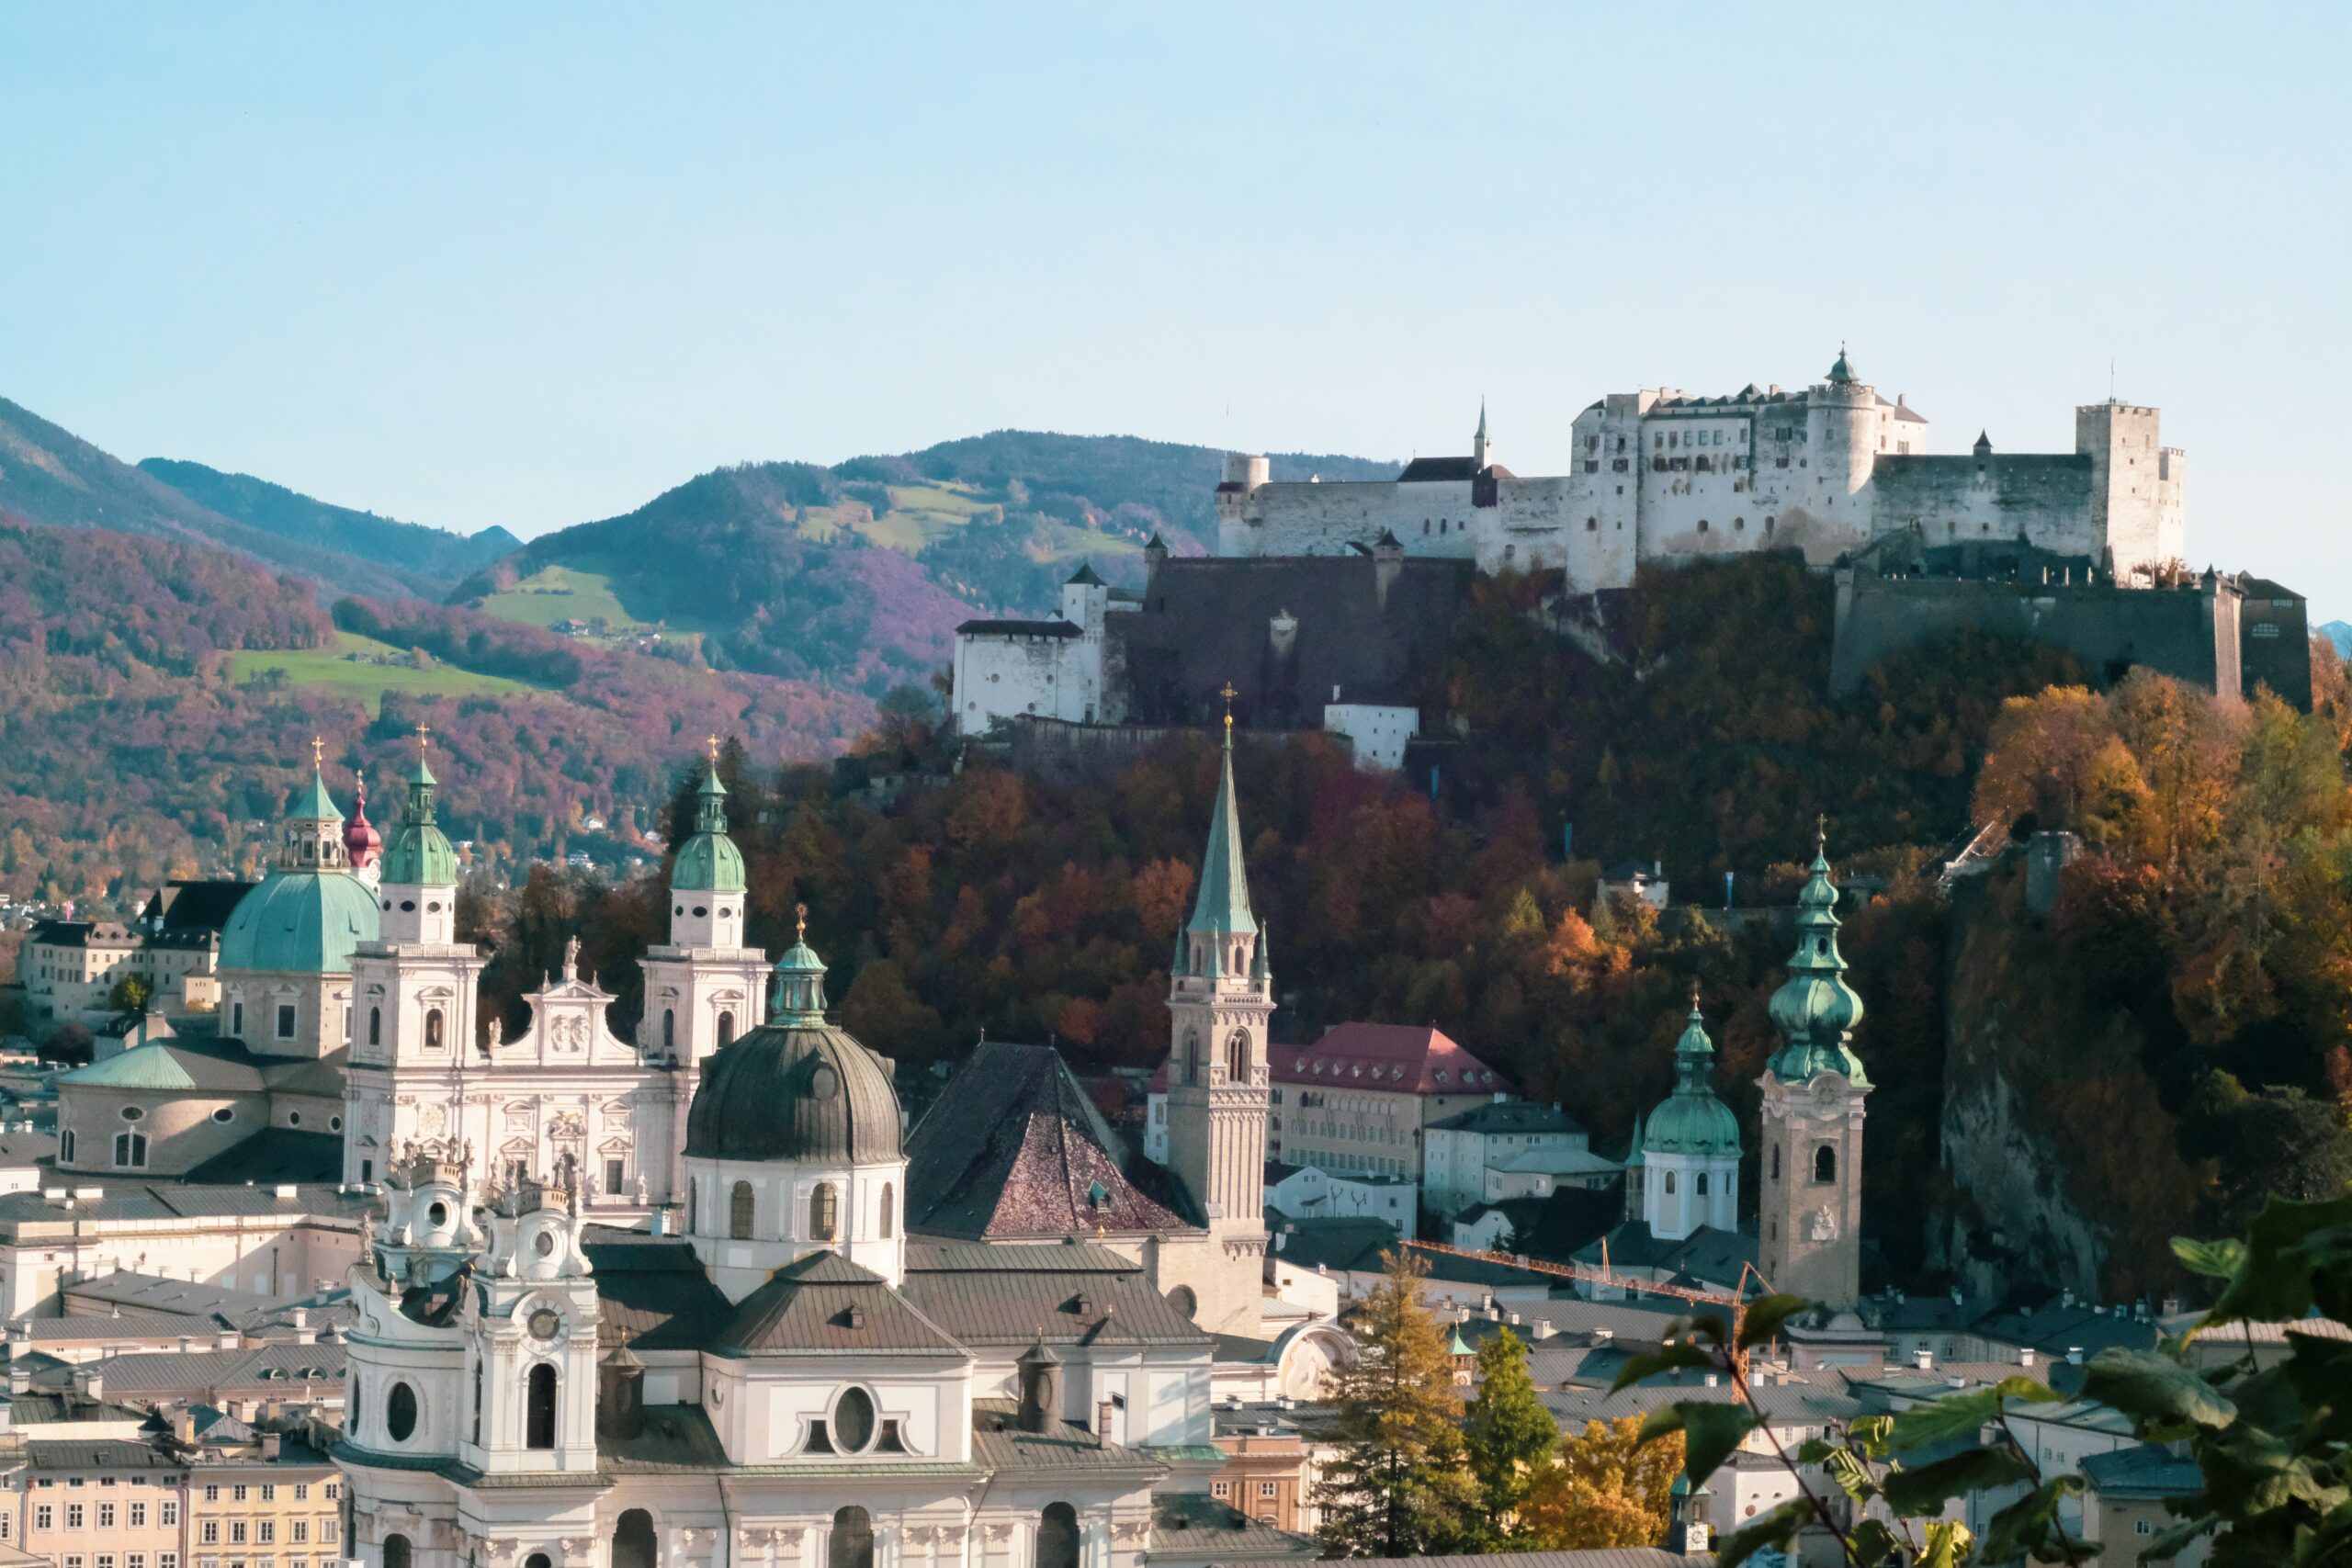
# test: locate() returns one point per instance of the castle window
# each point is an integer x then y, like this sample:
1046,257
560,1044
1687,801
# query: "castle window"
1776,1162
433,1040
538,1408
739,1212
1703,525
1669,1184
824,1212
1425,527
1824,1163
1769,521
1592,524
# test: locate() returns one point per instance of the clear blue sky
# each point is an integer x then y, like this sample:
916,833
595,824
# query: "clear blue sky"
529,265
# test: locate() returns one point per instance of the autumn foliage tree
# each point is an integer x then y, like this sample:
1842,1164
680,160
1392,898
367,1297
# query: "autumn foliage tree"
1606,1488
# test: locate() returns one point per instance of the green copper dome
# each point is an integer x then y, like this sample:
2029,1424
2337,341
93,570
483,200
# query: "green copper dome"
304,922
709,862
419,855
309,912
1691,1120
1814,1010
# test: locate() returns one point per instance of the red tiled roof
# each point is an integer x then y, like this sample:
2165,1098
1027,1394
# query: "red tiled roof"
1393,1056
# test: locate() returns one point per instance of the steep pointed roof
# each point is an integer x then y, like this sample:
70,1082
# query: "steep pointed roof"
1085,575
1223,907
1814,1010
1482,418
312,803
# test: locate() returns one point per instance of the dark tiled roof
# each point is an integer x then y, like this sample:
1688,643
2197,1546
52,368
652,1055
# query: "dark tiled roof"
2145,1471
1339,1242
99,1453
824,1302
1422,470
1510,1116
1708,1254
198,907
1014,1149
275,1154
1558,1226
1017,628
1191,1524
653,1291
1065,1257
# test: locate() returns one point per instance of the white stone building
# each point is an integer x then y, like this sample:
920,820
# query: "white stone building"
1509,1149
1050,668
1660,476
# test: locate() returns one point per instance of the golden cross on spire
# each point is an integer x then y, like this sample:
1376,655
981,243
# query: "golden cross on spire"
800,922
423,737
713,748
1694,993
317,753
1821,832
1228,693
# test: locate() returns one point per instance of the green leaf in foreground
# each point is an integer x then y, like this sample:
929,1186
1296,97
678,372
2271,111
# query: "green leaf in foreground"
2156,1391
1926,1489
1650,1363
1709,1429
1762,1319
1776,1528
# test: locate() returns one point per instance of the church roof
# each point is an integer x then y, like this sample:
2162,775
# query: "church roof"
312,803
796,1087
1009,1295
708,861
1814,1010
1014,1147
653,1290
302,921
1425,470
1222,908
419,855
1692,1120
824,1302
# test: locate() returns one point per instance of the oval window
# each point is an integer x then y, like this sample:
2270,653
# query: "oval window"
854,1420
293,1119
543,1244
399,1413
438,1214
335,1123
132,1113
824,1083
224,1114
700,911
434,908
408,906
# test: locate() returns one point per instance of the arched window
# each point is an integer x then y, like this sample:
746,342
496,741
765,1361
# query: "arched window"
1669,1184
1237,1058
537,1560
739,1212
1193,1063
669,1029
692,1208
1703,1184
433,1029
633,1541
538,1407
851,1544
726,1028
477,1399
824,1211
1776,1162
399,1413
131,1150
1184,1302
375,1026
1824,1163
888,1200
396,1552
1058,1536
65,1147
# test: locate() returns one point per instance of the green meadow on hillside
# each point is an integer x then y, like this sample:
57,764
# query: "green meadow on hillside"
361,667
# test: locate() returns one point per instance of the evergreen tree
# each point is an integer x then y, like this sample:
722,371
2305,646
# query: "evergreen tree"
1509,1433
1397,1486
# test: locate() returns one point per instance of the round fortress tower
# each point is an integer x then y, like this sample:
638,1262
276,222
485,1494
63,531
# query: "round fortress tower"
1841,425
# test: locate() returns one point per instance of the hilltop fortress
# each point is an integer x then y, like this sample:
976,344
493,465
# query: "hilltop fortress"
1660,476
1327,606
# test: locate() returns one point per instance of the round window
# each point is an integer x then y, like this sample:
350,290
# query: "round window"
434,908
399,1413
544,1243
408,906
387,903
335,1123
678,910
293,1119
438,1214
700,911
132,1113
224,1114
824,1083
854,1420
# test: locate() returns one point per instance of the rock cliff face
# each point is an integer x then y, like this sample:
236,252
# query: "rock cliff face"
2049,1118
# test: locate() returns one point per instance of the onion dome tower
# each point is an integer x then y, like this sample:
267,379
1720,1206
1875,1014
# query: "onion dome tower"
362,845
417,883
707,882
1690,1145
792,1143
1810,1207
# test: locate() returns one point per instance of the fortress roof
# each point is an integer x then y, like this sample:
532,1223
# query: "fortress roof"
1017,628
1425,470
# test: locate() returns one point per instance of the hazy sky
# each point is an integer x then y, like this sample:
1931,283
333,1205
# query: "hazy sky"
530,266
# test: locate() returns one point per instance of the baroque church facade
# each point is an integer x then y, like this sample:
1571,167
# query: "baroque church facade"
801,1337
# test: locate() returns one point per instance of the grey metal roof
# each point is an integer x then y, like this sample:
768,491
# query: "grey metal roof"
107,1326
97,1453
1193,1524
1351,1242
1012,1308
158,1201
1510,1116
267,1368
653,1291
824,1302
2145,1469
984,1257
786,1091
1001,1445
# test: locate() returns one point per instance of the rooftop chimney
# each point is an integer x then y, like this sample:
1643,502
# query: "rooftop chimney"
2074,1354
1923,1359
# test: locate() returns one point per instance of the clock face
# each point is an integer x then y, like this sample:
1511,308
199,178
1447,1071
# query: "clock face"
544,1323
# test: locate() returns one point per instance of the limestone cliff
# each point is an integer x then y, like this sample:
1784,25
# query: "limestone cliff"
2049,1118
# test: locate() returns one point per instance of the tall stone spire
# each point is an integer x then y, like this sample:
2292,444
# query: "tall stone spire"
1810,1208
1220,998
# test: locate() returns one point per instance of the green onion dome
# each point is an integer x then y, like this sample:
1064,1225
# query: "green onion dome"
420,854
1814,1010
310,911
709,862
1692,1120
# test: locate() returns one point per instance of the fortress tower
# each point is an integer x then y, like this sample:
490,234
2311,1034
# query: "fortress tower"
2135,495
1840,432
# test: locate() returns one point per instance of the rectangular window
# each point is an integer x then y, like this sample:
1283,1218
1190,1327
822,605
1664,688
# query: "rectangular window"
208,1533
334,1490
268,1492
329,1529
167,1513
236,1532
266,1532
1221,1489
302,1492
45,1516
301,1531
106,1515
285,1020
1267,1489
73,1515
615,1178
138,1516
212,1492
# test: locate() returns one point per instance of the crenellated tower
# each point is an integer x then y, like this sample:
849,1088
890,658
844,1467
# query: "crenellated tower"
1220,1000
1810,1208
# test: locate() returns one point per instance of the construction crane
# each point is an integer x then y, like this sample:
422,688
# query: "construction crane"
1600,1276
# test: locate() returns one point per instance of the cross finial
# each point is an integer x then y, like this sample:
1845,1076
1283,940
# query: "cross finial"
1694,993
713,748
1821,834
800,922
1228,693
317,753
423,737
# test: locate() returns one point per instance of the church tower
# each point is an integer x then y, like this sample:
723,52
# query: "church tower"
705,988
1690,1145
1811,1207
1219,1001
413,996
1481,454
